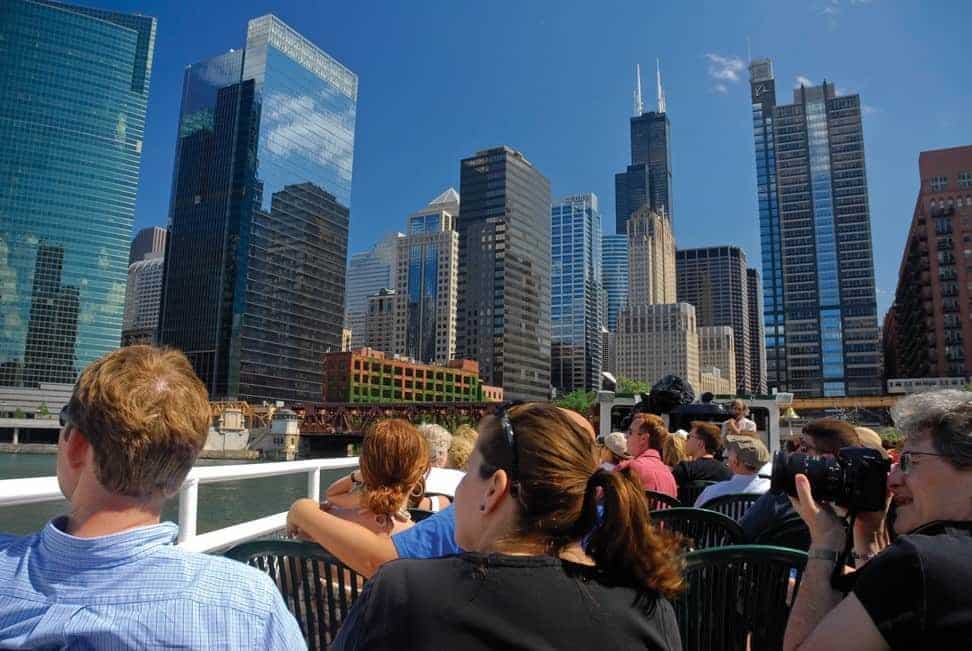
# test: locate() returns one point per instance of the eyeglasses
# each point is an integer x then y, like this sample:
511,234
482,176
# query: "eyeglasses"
64,417
907,464
502,413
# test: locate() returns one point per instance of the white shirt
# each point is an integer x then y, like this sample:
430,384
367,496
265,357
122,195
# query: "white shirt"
737,484
745,425
443,481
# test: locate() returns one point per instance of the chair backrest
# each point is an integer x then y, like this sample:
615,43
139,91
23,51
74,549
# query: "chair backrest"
419,514
792,533
690,491
701,528
738,597
658,501
734,506
317,588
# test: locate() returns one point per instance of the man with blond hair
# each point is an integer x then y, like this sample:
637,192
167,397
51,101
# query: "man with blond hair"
107,575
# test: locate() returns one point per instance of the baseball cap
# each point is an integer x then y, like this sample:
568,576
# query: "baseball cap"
749,450
616,442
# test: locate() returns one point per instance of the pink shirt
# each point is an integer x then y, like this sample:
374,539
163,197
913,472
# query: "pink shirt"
654,474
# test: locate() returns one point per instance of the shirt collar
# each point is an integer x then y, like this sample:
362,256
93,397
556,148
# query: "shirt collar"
62,548
649,454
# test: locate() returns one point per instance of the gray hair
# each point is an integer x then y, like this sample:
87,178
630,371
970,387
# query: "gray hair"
438,438
945,416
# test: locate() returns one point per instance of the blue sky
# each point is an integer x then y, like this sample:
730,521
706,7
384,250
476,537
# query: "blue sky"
554,79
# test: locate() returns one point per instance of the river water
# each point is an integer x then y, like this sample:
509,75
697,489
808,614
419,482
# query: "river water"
220,505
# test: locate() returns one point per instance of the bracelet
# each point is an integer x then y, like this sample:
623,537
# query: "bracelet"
863,558
824,554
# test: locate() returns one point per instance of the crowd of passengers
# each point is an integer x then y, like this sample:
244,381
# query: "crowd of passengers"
540,534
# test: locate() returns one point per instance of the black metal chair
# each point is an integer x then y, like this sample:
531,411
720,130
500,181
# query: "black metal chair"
700,528
658,501
317,588
792,533
738,598
690,491
734,506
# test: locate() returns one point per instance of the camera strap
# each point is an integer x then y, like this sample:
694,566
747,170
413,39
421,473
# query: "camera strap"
840,581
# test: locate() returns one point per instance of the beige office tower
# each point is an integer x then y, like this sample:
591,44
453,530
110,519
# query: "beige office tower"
380,321
717,349
651,259
427,282
658,340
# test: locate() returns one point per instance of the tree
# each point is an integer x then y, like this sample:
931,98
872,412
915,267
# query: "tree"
43,411
627,385
579,400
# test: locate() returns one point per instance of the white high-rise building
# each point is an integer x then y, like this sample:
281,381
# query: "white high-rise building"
717,349
142,297
658,340
651,259
427,281
368,272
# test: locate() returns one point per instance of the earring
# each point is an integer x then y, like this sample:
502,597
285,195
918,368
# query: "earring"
482,507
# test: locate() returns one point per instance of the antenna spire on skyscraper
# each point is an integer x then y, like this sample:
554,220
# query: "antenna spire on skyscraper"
661,91
639,106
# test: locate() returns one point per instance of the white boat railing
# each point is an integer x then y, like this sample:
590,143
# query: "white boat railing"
32,490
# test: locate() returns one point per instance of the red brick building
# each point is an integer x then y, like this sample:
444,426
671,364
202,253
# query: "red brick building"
928,331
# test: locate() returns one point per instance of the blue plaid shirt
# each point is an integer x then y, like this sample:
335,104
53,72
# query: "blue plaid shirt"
134,590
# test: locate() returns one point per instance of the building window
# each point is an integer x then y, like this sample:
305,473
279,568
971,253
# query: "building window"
965,179
938,183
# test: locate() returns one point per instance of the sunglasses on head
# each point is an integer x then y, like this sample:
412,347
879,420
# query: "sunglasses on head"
502,413
64,417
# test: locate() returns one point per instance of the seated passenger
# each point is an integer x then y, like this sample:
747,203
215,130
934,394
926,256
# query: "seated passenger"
646,438
746,456
106,575
822,437
365,551
913,593
393,462
530,497
703,442
739,422
459,451
613,450
673,451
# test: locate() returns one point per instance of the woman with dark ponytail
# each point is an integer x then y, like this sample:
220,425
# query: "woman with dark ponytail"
559,554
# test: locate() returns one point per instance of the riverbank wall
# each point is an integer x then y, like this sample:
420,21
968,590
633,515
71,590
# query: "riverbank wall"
42,448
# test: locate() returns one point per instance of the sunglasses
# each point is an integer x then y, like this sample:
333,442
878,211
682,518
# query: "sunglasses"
502,413
906,463
64,417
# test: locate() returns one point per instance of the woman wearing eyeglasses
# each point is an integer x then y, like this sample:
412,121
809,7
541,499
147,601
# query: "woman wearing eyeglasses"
526,581
913,593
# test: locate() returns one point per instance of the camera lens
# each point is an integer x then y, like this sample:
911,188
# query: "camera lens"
825,475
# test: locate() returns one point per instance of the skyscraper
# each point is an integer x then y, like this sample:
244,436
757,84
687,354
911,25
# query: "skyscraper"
427,282
380,326
651,145
818,273
928,331
142,298
632,190
576,294
504,272
148,241
255,267
658,340
714,280
651,259
72,116
614,271
757,340
368,272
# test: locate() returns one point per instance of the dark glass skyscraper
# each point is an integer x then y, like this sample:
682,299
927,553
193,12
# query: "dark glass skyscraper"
818,271
503,317
257,250
73,91
614,271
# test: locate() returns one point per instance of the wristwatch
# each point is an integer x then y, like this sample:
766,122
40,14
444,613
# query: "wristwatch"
824,554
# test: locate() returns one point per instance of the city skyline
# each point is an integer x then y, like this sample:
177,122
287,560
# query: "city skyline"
704,83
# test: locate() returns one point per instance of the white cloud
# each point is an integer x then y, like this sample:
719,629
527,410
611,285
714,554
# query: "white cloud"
867,109
803,81
722,89
725,68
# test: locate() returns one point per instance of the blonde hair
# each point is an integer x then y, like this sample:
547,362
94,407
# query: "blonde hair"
394,459
459,452
467,432
146,415
673,451
438,439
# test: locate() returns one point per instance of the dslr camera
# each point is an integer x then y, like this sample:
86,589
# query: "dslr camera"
856,478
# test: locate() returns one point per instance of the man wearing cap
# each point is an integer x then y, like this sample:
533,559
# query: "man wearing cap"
614,450
746,456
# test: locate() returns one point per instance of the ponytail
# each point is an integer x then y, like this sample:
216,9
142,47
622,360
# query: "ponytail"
623,542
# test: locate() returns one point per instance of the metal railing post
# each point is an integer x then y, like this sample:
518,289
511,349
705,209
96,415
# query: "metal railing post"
188,503
314,484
